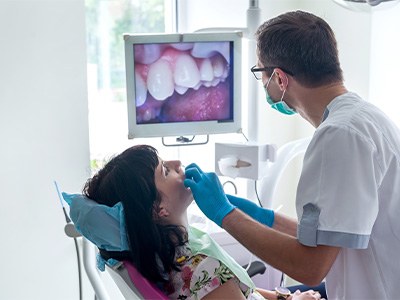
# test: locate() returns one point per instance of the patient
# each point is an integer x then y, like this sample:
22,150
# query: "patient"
161,245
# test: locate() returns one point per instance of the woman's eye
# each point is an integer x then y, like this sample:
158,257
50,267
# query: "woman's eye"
166,170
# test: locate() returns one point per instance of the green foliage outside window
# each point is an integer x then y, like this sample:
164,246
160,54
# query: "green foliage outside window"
123,16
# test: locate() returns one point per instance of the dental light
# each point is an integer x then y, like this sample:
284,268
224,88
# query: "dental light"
183,84
366,5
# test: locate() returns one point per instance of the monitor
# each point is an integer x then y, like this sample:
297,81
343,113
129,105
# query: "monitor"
183,84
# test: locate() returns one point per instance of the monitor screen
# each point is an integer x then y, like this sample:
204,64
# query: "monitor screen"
183,84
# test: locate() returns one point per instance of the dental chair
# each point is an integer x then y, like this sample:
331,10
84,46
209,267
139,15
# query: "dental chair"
132,284
129,281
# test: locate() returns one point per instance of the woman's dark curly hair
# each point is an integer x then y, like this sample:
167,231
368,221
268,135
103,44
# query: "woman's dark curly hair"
129,178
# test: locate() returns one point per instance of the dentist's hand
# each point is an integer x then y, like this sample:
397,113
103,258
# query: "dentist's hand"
262,215
208,193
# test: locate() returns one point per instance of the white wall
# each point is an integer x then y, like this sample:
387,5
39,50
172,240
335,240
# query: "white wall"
385,65
43,136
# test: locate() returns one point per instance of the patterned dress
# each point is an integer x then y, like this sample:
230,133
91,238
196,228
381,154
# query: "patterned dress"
199,275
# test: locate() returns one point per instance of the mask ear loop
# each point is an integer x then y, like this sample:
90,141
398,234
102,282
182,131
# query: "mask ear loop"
283,94
269,80
284,91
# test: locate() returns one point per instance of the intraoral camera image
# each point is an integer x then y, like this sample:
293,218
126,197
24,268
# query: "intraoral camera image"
183,82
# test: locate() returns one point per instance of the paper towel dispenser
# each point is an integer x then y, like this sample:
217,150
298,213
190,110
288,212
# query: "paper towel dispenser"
243,160
366,5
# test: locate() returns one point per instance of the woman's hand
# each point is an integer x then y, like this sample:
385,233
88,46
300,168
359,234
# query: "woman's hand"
308,295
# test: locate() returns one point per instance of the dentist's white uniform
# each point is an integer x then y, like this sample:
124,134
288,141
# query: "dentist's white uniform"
349,196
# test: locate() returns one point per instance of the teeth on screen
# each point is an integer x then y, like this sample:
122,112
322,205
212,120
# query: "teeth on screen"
180,72
215,82
181,89
186,73
207,83
206,70
160,82
226,73
148,115
206,50
141,89
182,46
147,54
218,64
198,86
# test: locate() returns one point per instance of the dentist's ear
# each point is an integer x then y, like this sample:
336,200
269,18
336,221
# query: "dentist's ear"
282,78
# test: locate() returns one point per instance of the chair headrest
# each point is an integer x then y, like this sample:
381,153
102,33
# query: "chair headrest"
103,225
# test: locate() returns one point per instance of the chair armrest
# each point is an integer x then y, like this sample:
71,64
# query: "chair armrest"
256,267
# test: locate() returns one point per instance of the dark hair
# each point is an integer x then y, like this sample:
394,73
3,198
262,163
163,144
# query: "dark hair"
303,44
129,178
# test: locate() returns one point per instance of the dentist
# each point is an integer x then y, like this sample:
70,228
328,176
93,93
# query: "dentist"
348,197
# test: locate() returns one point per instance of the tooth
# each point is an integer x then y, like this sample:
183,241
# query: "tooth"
147,115
141,90
215,82
148,53
182,46
226,73
186,73
218,64
207,83
181,89
204,50
159,80
197,86
206,70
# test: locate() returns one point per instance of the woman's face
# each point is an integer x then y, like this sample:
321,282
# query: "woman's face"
169,177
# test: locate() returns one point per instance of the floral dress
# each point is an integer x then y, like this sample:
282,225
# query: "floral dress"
199,275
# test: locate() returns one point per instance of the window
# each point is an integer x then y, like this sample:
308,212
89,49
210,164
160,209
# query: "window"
106,21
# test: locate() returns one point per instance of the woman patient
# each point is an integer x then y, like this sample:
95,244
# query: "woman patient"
154,202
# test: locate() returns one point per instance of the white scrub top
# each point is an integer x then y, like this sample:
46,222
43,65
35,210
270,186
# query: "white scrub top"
349,196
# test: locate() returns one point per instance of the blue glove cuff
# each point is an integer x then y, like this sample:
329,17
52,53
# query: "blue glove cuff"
262,215
269,217
222,214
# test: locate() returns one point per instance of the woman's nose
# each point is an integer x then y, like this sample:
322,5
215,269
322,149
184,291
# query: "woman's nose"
179,166
176,165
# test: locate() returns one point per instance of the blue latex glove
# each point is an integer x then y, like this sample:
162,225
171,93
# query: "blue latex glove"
208,193
262,215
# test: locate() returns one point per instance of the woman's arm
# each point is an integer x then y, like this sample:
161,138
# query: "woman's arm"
229,290
308,295
267,294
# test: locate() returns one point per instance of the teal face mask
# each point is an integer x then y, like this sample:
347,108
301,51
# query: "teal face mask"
281,105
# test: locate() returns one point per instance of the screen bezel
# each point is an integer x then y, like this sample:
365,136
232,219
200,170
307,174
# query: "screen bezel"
183,128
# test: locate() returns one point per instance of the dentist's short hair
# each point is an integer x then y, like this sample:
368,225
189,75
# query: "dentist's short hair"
303,44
